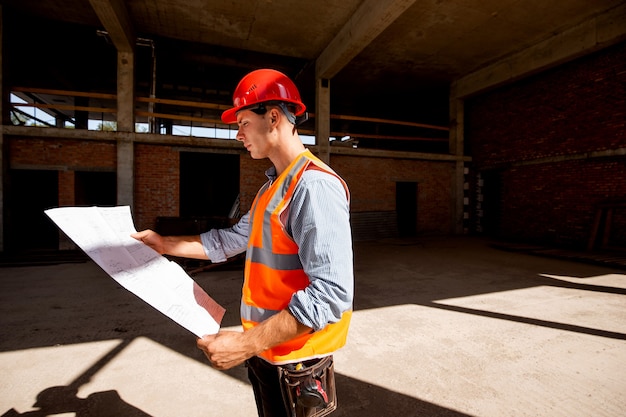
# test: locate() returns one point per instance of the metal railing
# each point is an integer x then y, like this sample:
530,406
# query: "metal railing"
71,106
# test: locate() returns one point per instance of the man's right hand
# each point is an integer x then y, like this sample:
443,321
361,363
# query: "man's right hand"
152,239
181,246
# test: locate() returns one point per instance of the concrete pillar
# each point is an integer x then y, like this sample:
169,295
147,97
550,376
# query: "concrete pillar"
456,146
125,171
81,117
126,91
67,186
322,118
168,126
125,124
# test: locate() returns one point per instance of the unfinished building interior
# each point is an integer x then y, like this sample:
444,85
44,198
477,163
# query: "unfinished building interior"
458,119
496,120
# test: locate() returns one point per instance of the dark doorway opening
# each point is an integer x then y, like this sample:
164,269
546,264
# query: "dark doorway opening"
95,188
209,184
406,208
27,227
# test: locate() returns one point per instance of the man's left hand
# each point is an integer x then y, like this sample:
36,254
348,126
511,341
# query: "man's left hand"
225,349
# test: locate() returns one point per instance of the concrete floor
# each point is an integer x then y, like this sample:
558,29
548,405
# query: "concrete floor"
442,327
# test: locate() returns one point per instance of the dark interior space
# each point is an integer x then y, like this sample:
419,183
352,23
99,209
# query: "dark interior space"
30,193
93,188
209,184
406,207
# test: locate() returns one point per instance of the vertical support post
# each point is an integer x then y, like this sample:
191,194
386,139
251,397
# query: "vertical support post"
67,198
322,118
126,91
456,146
125,124
81,117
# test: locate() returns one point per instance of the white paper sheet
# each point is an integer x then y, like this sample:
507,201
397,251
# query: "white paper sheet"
104,234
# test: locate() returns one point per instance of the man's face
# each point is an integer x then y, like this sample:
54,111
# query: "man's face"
254,133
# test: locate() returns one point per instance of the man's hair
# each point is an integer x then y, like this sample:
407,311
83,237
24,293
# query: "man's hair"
287,108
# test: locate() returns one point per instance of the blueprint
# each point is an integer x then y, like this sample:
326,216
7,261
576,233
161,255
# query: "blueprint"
103,233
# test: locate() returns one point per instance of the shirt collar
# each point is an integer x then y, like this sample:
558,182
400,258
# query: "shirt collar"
271,174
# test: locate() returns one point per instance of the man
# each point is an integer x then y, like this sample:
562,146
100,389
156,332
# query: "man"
298,277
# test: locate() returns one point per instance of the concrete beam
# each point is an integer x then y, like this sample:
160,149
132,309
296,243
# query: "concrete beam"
594,34
377,153
369,20
116,21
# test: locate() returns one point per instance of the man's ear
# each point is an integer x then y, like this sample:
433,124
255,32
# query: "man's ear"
273,114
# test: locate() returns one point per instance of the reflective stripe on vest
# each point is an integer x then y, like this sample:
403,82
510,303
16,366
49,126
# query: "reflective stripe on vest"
273,271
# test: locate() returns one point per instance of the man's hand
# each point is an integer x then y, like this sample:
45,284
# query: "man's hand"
150,238
181,246
226,349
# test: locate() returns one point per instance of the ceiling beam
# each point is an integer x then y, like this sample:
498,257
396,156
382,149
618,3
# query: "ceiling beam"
601,31
116,21
369,21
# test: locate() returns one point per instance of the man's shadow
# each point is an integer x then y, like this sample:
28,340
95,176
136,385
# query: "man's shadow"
64,399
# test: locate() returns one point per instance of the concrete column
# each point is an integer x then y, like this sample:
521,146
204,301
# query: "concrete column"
126,91
81,117
125,171
67,187
456,146
125,124
322,118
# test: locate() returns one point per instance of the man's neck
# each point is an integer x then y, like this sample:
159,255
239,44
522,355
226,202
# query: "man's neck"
289,150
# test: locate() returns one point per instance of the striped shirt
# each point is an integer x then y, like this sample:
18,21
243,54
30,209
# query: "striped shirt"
318,220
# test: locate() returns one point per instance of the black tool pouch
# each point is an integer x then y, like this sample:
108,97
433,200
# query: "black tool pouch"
309,390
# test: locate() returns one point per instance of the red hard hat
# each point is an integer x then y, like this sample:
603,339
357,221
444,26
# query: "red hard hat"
261,86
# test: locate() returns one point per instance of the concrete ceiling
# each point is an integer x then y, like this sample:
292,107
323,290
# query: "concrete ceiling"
378,54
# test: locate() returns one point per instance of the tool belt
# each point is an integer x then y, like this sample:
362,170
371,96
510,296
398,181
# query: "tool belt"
309,387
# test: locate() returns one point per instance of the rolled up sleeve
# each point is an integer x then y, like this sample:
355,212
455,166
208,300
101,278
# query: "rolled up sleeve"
221,244
319,222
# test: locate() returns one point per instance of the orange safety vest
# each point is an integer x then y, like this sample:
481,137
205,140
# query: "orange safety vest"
273,271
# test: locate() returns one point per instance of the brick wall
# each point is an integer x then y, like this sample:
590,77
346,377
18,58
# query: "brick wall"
557,202
157,179
539,133
372,183
251,178
66,156
62,153
66,188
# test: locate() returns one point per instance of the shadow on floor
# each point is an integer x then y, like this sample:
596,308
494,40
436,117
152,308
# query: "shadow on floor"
69,303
